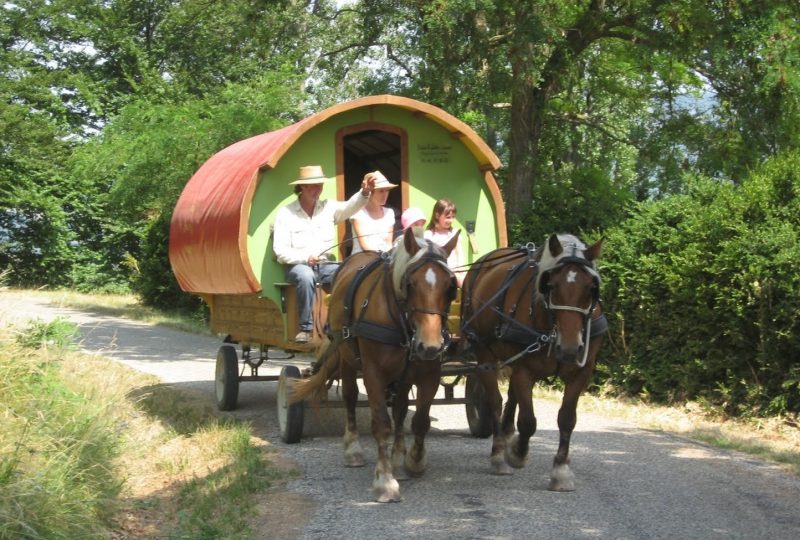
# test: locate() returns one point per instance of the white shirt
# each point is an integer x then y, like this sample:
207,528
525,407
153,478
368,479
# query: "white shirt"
374,230
454,260
296,235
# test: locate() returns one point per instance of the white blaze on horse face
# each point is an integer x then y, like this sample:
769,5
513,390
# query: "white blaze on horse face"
430,277
572,276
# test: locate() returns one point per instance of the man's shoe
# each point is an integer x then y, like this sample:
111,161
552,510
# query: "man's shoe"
303,336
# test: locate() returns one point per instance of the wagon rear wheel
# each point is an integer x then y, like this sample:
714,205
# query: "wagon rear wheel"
479,414
226,379
290,415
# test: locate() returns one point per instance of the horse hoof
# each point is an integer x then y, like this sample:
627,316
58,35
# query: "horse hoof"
500,467
561,479
512,457
415,469
388,491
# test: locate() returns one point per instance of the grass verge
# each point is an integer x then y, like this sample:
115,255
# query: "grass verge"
92,449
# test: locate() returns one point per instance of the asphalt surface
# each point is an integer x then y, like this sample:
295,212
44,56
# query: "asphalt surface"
631,483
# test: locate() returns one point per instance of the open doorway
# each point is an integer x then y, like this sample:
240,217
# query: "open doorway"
370,150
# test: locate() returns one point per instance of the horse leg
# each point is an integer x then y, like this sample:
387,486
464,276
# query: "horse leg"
509,414
416,458
353,453
399,412
521,386
561,476
384,486
495,401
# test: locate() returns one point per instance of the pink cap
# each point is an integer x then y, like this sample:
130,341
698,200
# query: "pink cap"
411,216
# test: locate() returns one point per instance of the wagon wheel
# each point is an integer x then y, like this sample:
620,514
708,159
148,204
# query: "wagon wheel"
290,415
226,379
479,414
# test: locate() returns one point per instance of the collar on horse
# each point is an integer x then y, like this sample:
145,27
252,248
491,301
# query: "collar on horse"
398,333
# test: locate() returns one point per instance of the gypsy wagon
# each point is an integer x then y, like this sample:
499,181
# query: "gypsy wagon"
220,236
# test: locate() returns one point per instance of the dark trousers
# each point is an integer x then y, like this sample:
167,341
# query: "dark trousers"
305,279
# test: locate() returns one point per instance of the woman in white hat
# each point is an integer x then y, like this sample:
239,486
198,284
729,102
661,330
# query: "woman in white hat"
373,225
304,238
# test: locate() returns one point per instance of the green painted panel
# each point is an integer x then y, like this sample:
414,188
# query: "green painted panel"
439,166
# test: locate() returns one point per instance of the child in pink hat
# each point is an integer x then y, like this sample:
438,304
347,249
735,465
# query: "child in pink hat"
412,217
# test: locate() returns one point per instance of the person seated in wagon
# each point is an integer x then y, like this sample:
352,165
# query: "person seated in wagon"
373,225
304,238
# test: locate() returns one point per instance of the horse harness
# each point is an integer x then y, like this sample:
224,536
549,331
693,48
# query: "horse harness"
511,330
399,333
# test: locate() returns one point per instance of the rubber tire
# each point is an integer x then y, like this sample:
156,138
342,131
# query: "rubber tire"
479,414
290,416
226,378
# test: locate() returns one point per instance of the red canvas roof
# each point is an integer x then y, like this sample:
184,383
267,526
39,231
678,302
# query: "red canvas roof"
208,233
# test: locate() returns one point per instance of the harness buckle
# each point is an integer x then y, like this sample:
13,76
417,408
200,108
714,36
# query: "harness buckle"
346,332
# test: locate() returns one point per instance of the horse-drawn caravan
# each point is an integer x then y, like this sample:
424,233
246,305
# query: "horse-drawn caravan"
532,310
220,237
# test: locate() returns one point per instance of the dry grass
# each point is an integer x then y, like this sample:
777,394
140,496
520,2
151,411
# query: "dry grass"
172,466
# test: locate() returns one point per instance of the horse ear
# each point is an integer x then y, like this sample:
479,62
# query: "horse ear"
410,242
554,245
451,244
593,253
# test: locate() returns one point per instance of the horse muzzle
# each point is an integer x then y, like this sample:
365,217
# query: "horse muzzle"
426,350
569,355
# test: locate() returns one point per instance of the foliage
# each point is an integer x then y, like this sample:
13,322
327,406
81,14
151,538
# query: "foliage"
145,157
59,333
702,289
583,201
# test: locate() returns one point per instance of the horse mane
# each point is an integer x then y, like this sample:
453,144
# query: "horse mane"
401,259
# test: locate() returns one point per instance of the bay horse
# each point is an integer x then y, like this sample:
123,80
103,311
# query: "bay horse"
539,313
387,318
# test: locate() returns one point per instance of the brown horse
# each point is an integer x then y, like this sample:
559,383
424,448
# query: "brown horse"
537,312
387,319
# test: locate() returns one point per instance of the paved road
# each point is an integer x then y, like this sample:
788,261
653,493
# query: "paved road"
631,483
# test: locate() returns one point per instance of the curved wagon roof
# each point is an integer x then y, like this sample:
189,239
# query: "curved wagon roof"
208,232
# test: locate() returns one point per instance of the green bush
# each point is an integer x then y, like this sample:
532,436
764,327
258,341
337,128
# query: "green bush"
702,293
59,334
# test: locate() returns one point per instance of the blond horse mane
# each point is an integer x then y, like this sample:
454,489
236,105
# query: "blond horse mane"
401,259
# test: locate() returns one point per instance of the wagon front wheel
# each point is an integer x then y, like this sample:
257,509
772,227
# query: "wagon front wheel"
290,415
226,379
479,414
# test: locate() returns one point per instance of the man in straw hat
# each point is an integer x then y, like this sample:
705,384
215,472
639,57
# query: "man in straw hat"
304,238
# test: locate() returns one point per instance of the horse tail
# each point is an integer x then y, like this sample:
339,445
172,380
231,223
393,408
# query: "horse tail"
315,387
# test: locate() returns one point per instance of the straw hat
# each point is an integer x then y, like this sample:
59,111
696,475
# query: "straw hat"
411,216
380,181
310,174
